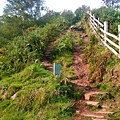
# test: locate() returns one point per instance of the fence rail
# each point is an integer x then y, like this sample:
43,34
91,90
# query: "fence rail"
111,41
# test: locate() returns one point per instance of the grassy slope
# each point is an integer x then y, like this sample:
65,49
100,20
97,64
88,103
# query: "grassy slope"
104,72
39,94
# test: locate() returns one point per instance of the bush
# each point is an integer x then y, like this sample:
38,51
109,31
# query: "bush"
25,50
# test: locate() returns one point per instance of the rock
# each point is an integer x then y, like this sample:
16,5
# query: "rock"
77,112
14,96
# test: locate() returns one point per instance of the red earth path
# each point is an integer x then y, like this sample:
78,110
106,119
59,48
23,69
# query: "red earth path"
89,90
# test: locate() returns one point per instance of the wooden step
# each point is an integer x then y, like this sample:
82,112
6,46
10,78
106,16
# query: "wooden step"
105,106
96,104
92,115
103,111
99,119
89,94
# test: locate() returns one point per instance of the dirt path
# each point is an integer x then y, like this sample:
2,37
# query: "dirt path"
48,54
80,69
84,106
88,101
48,58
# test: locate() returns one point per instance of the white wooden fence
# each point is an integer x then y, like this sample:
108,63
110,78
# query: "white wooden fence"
108,39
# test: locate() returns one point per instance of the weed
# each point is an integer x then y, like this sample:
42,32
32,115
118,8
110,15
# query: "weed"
78,95
67,111
80,42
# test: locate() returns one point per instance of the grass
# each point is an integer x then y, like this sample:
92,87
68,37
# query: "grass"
104,73
39,94
36,96
66,61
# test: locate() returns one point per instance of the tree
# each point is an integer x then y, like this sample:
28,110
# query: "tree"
110,15
68,15
11,27
19,15
47,18
80,12
24,7
112,3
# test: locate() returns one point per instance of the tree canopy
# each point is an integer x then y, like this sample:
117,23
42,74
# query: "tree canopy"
112,3
24,7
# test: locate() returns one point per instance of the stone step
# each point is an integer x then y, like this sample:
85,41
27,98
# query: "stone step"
103,111
89,94
92,115
99,119
77,112
96,104
105,106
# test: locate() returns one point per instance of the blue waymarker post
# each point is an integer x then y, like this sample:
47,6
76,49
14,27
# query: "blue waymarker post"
57,68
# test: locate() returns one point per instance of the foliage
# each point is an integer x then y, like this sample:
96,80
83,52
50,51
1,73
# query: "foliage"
80,13
68,15
36,95
11,28
80,42
110,15
23,8
47,18
19,16
16,55
64,44
112,3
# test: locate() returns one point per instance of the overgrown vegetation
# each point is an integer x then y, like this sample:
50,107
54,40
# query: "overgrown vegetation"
27,89
35,93
111,15
37,96
104,70
25,50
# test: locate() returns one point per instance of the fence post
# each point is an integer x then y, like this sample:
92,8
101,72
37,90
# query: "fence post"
119,38
105,29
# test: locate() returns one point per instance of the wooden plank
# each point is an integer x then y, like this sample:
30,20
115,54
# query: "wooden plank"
101,35
92,115
94,22
99,23
112,43
95,28
92,25
97,20
111,35
110,48
106,30
93,103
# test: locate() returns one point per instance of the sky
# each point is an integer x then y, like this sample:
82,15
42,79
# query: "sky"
61,5
2,4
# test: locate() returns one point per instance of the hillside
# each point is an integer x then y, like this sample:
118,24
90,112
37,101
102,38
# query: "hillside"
89,73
